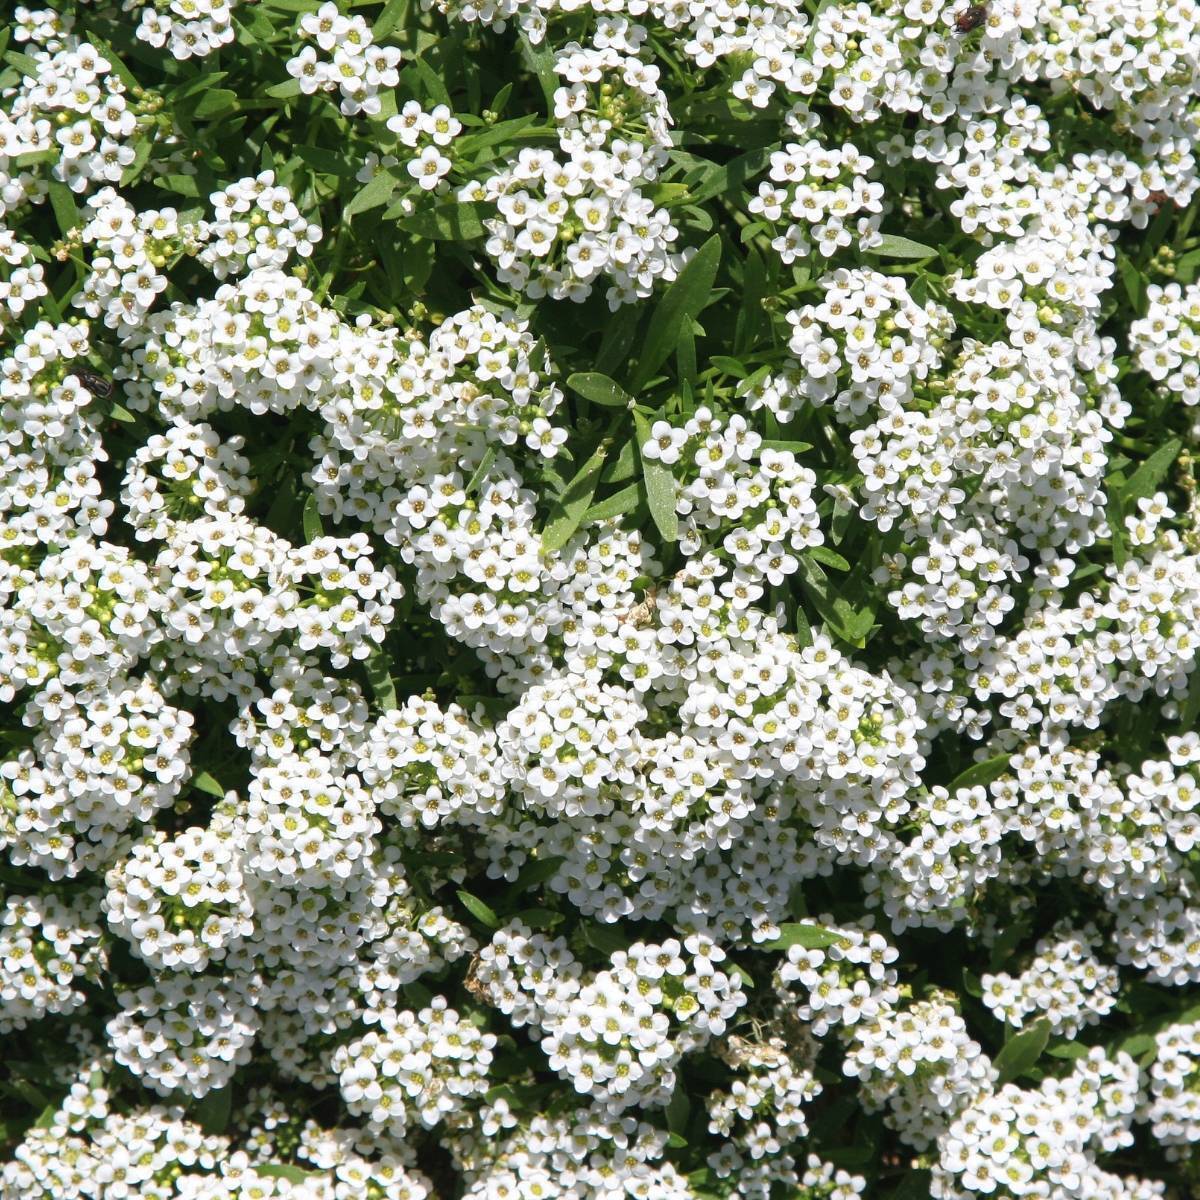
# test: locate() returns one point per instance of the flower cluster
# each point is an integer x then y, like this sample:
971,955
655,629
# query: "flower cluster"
599,600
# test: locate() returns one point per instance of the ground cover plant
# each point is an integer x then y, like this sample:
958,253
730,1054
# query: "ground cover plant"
599,600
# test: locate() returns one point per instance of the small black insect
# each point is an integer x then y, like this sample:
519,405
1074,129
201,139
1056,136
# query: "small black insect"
970,18
100,387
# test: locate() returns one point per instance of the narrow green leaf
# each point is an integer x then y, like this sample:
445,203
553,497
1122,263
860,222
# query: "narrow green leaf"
379,676
829,557
659,484
783,445
981,774
733,175
394,13
685,298
1131,280
568,513
894,246
447,223
62,201
624,464
617,505
215,102
1150,474
376,191
540,918
803,933
540,60
480,472
599,389
678,1110
480,911
535,872
289,89
204,782
141,157
1020,1052
212,1112
284,1171
604,938
741,973
1069,1050
313,527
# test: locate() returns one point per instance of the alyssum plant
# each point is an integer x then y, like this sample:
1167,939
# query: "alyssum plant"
599,601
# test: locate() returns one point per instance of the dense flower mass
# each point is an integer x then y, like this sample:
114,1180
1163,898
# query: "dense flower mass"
600,601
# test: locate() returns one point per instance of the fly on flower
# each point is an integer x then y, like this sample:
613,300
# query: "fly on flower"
970,18
100,387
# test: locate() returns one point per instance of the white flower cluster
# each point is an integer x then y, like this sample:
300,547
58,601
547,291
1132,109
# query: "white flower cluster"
73,117
187,28
434,758
1065,983
1173,1104
819,190
618,1035
1167,340
419,1068
1046,1142
46,948
344,59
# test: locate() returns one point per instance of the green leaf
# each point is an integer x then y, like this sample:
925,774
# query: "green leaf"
678,1109
62,201
213,1111
122,414
480,472
829,557
790,447
285,1171
289,89
480,911
379,676
215,102
1069,1050
894,246
1190,711
659,484
916,1185
568,513
803,933
685,298
599,389
540,918
617,505
535,872
1131,280
205,783
28,66
447,223
1020,1052
604,938
141,157
394,13
981,774
540,60
1147,477
733,175
313,528
741,973
376,191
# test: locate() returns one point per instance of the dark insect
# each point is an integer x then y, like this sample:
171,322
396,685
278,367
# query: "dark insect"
100,387
970,18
